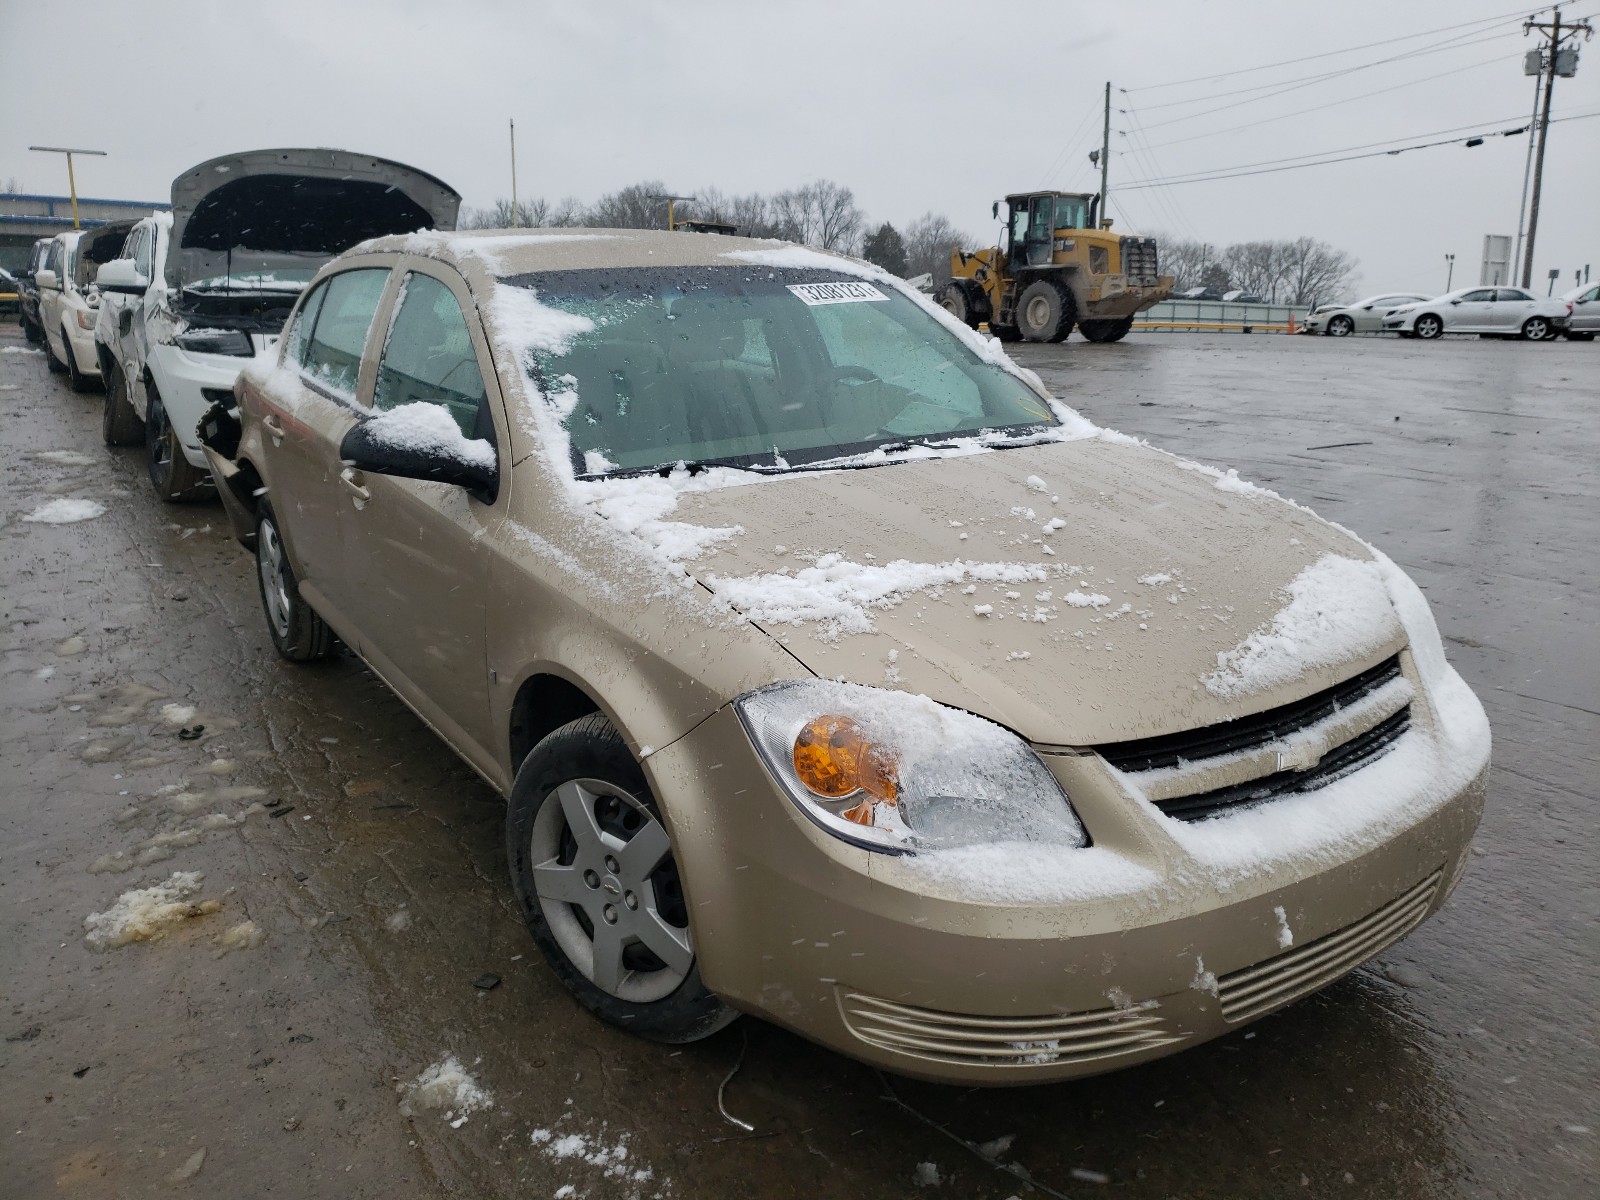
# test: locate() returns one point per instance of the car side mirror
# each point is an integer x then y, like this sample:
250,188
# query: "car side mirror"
1455,302
122,275
46,279
994,210
1366,308
422,441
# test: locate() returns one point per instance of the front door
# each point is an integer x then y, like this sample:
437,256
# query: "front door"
1041,230
1586,310
1472,313
417,548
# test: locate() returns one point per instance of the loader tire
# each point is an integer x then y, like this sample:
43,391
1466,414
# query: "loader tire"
1112,329
955,301
1044,312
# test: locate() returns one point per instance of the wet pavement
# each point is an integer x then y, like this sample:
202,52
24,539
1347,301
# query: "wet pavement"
354,896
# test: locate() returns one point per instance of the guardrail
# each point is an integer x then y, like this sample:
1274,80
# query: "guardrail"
1218,316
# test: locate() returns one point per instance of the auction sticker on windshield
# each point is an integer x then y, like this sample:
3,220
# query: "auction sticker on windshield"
836,293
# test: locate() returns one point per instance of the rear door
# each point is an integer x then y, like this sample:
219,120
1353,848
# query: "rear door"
1512,306
306,411
419,547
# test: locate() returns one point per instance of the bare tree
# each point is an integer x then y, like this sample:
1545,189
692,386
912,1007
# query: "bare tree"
530,214
752,214
1255,267
821,213
11,187
928,243
1314,271
1185,259
633,207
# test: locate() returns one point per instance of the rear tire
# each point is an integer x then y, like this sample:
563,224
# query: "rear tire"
120,425
298,634
1537,329
1005,333
1044,312
955,301
176,481
34,333
1428,327
1109,330
588,852
1341,326
1580,336
54,364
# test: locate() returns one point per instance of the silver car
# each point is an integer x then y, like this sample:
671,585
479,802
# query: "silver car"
1585,319
1363,316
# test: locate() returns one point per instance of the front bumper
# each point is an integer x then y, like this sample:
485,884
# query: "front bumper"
857,951
185,378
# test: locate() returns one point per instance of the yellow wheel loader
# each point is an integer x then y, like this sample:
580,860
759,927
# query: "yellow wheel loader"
1058,266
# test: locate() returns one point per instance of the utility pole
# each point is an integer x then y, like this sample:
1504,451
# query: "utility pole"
1105,158
72,180
1527,166
514,215
1553,65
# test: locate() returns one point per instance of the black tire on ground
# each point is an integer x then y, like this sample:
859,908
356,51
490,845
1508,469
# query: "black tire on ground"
1006,333
1427,327
76,379
1112,329
176,481
1044,312
1583,335
33,332
119,425
955,301
297,632
1536,329
587,851
1341,326
54,364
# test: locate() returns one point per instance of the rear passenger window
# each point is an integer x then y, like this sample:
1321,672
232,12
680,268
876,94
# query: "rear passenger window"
331,354
429,357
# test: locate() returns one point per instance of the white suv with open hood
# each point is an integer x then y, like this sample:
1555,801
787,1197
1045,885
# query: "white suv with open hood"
200,291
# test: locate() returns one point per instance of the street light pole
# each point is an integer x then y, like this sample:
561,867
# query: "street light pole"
72,181
1450,262
672,201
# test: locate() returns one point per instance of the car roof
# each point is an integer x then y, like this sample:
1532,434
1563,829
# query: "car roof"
506,252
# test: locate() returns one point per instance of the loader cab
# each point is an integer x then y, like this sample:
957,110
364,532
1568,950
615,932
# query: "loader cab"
1036,216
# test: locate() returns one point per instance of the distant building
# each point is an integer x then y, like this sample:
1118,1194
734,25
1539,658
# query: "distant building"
25,218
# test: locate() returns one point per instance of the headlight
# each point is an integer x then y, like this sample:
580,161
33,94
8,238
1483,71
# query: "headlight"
216,341
898,773
85,319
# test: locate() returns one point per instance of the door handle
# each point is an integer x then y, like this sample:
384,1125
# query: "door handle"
350,479
274,427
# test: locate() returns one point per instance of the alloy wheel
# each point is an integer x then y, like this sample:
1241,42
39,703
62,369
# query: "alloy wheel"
609,890
274,586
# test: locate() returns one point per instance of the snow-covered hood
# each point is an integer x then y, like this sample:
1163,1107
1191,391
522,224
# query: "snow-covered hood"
295,207
1079,592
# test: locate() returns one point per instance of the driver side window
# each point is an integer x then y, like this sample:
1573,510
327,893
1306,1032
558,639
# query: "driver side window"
429,357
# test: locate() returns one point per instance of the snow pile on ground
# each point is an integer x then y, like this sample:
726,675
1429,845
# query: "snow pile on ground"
65,511
611,1159
246,935
63,458
447,1085
146,914
20,350
926,1174
429,429
837,594
1338,610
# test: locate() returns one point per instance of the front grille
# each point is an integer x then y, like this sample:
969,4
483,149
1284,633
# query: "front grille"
1003,1041
1140,262
1335,764
1247,733
1253,991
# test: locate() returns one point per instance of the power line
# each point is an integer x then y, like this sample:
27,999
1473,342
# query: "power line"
1288,62
1141,184
1290,85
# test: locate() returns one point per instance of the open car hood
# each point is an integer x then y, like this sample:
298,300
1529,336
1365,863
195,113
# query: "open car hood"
97,246
289,211
1155,572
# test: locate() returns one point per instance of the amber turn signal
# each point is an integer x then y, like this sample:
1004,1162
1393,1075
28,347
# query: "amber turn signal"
833,759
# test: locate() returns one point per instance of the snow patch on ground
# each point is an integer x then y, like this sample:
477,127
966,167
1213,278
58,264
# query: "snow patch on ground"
445,1085
20,350
147,914
65,512
63,458
926,1175
1338,610
612,1159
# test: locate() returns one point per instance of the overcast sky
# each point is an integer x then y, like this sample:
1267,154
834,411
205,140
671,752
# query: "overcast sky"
915,104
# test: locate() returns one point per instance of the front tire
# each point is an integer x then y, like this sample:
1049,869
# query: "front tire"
955,301
298,633
1580,336
593,869
1044,312
120,424
1108,330
51,362
1428,327
1341,326
76,379
172,475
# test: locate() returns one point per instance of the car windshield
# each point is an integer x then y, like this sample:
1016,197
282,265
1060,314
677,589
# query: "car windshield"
764,367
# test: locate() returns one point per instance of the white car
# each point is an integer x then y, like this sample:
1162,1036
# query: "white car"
68,299
1362,316
1488,311
1585,320
200,291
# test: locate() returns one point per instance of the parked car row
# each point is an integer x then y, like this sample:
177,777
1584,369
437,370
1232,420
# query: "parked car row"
666,534
1488,312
